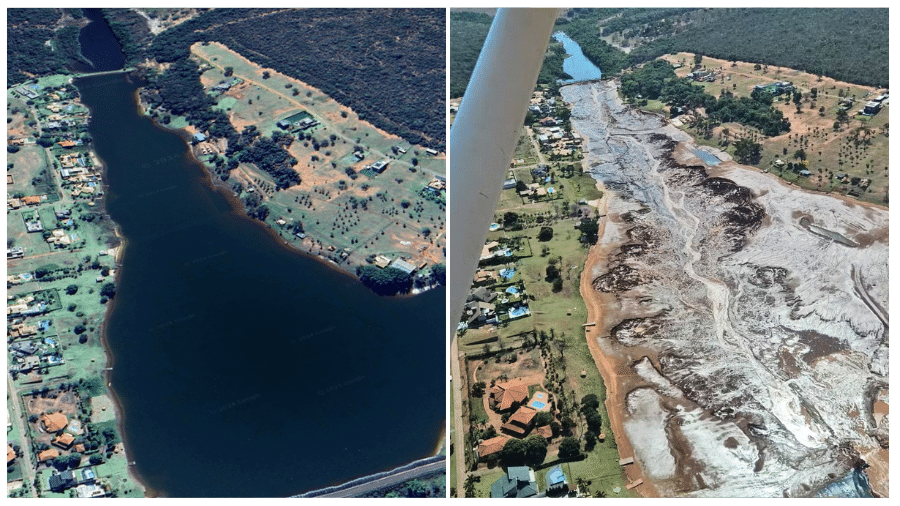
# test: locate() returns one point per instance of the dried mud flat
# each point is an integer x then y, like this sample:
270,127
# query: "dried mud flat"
747,319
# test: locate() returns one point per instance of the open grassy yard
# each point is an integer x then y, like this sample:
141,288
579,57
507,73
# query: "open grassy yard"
857,148
559,314
341,206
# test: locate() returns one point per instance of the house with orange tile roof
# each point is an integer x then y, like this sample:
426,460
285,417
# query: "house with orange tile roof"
46,455
491,446
64,441
31,200
544,431
520,422
54,422
509,395
67,144
10,454
80,448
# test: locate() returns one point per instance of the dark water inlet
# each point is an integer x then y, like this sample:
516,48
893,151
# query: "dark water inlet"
244,368
98,44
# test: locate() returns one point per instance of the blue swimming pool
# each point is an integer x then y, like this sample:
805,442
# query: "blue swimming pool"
538,405
518,311
507,273
494,226
512,289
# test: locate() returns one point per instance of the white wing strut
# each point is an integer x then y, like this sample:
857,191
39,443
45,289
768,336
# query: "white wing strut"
484,136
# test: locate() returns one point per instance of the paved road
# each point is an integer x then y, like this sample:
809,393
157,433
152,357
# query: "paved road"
18,418
387,481
459,393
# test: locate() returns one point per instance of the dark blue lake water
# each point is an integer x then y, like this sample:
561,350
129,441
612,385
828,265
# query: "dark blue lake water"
244,368
576,64
98,43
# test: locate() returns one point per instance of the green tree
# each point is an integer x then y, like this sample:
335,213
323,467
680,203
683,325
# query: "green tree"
545,234
514,452
535,450
71,289
590,401
108,290
552,273
589,230
746,151
542,418
569,447
510,219
557,285
387,281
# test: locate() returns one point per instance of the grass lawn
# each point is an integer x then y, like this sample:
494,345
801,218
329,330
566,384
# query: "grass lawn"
827,151
451,456
338,207
483,487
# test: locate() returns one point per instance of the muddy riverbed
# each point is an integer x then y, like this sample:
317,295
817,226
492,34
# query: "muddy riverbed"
767,339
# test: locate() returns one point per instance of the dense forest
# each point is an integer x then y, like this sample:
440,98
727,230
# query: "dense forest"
468,31
388,65
846,44
132,31
27,31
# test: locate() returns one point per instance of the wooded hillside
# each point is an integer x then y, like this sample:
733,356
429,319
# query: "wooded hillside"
388,65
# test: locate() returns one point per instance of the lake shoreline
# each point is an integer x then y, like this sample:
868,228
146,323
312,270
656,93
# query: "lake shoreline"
221,187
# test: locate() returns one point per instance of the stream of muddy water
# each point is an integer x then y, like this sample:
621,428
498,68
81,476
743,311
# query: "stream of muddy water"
766,346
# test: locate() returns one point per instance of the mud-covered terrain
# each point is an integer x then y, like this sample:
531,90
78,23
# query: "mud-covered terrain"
749,317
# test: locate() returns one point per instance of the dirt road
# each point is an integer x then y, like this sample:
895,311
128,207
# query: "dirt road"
607,365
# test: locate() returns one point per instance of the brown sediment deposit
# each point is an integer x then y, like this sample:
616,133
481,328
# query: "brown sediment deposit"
608,366
760,309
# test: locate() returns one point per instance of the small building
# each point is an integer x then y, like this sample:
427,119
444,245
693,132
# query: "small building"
403,265
481,276
432,152
545,431
63,441
872,108
517,482
490,446
377,167
382,261
507,396
46,455
521,422
509,183
62,481
54,422
199,137
805,172
482,294
301,120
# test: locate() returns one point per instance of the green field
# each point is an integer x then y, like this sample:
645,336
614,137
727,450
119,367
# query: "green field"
338,204
858,148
